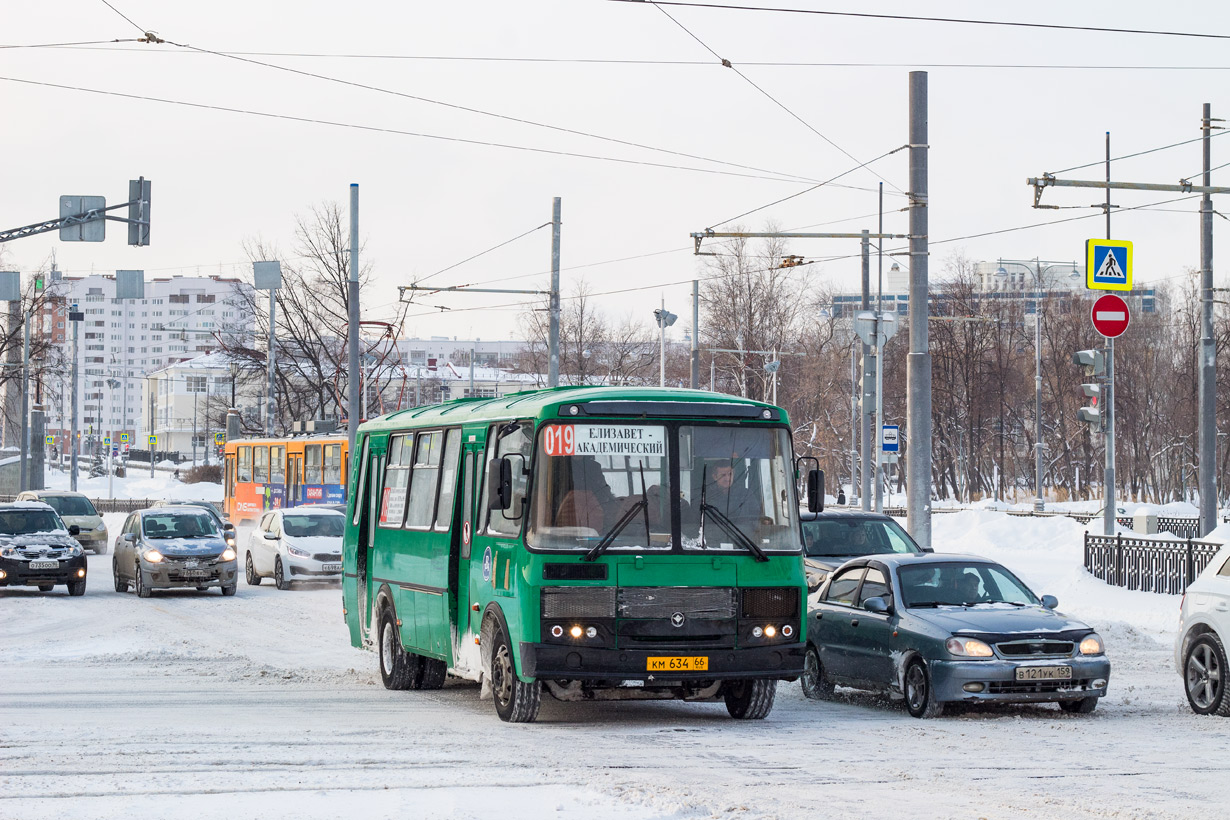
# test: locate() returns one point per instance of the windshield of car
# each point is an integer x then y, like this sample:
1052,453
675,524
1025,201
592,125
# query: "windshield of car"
736,486
961,584
70,504
855,536
23,522
596,482
307,526
180,525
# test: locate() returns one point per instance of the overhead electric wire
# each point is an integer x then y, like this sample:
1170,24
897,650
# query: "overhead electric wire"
481,253
397,131
913,18
1101,162
774,100
125,16
72,45
481,112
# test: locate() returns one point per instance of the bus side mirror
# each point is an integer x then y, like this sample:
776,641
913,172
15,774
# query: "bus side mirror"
499,479
815,490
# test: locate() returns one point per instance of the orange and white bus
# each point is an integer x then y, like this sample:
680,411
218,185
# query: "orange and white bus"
270,473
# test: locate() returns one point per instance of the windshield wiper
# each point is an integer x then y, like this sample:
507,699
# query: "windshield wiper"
927,605
641,506
741,538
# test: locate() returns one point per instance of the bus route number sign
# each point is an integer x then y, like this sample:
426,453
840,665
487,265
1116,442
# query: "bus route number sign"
604,440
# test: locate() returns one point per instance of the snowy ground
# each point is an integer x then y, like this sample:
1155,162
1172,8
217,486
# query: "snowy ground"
191,705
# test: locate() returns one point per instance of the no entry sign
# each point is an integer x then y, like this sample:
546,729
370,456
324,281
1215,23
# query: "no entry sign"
1110,316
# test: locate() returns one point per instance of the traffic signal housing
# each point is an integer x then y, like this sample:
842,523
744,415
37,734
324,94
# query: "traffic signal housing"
1092,415
1094,362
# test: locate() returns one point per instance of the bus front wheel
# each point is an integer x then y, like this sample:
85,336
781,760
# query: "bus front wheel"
398,668
750,699
515,700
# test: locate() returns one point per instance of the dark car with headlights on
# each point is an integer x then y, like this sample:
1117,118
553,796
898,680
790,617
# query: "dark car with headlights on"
37,549
941,628
170,547
832,537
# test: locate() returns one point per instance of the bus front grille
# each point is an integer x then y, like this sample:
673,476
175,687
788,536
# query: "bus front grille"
663,602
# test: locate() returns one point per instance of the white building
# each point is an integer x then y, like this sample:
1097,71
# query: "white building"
440,349
187,402
121,343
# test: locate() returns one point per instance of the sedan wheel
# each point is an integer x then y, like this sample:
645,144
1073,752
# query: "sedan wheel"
141,589
1204,676
815,686
249,572
120,584
919,695
279,575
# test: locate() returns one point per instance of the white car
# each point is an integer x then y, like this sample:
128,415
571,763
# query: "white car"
296,544
1204,628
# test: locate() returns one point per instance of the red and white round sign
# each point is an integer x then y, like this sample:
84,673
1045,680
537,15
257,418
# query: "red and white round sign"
1110,316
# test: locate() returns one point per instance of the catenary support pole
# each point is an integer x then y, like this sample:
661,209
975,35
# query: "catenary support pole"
272,351
553,331
73,441
23,480
866,400
695,381
853,424
354,378
1039,500
879,425
1109,509
1207,426
918,362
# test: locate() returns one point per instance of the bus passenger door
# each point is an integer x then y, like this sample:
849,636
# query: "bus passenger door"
366,503
294,476
461,569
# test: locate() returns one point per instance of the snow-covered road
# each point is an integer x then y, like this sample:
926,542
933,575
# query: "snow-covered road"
194,705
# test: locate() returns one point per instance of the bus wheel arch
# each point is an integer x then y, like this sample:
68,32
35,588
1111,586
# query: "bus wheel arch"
516,701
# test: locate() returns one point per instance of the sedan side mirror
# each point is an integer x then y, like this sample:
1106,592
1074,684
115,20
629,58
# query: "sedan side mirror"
228,526
877,605
130,537
271,536
1050,602
73,529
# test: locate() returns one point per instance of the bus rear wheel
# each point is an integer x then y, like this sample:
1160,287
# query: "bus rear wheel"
398,668
515,700
750,699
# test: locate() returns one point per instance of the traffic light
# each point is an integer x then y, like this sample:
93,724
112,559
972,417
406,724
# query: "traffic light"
1092,415
1094,362
39,283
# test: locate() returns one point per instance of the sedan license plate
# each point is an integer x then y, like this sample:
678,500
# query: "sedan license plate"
686,664
1044,673
192,563
195,573
331,567
44,565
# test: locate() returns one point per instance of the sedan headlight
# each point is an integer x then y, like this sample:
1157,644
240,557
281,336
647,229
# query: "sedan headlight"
75,550
1092,644
8,552
968,648
153,556
298,553
228,554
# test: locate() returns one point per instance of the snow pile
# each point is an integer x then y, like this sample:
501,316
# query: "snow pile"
137,484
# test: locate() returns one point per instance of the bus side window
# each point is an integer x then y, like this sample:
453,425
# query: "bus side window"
333,464
311,464
277,464
448,481
396,480
244,471
425,475
260,465
517,443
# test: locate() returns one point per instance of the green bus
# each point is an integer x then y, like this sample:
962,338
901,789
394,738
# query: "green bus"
596,542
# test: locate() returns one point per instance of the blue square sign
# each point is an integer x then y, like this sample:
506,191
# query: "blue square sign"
890,439
1108,264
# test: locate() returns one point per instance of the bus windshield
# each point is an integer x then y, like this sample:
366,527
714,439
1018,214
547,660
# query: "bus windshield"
610,485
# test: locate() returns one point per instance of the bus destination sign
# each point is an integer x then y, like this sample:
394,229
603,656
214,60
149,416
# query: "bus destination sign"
604,440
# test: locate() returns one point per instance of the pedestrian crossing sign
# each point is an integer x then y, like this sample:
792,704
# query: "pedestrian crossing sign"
1108,264
123,438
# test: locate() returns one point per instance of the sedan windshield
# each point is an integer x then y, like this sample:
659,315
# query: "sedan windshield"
180,525
23,522
307,526
830,537
961,584
70,504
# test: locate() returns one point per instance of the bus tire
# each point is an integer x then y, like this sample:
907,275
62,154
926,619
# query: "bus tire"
750,699
515,700
432,673
398,669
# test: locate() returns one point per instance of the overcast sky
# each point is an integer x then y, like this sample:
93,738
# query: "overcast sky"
623,71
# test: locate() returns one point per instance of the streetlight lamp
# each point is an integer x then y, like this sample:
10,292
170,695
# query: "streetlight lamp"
1037,271
665,319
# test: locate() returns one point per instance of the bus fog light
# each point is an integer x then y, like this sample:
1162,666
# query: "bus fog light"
591,632
575,632
770,631
973,687
557,631
3,575
757,632
787,631
80,573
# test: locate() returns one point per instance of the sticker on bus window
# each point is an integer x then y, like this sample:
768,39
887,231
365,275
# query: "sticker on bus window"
393,506
603,440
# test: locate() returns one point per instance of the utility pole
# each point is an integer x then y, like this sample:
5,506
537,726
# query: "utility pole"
553,330
868,381
471,372
918,362
1206,368
853,425
75,317
695,382
879,443
354,380
23,481
1108,511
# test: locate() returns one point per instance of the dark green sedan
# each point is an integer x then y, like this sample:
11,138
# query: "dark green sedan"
935,629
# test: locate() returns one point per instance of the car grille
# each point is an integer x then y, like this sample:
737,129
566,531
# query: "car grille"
1035,649
775,602
663,602
578,602
1033,687
179,560
327,556
37,553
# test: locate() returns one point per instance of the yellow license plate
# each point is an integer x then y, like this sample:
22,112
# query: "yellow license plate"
689,664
